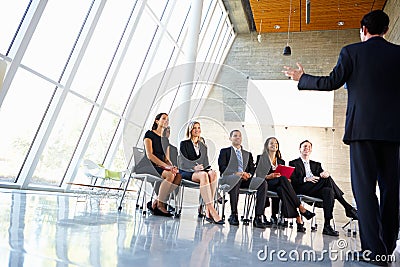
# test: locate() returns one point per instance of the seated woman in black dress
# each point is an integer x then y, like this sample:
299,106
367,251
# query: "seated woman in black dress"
266,165
194,166
157,162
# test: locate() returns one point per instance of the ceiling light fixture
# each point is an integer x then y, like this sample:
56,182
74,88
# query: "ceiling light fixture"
287,51
259,38
340,23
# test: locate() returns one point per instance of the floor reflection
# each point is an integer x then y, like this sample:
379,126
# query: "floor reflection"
42,229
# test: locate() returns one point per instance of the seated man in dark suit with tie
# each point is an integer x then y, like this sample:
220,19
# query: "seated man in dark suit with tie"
310,179
237,168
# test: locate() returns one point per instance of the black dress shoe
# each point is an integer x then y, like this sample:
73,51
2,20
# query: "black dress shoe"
328,230
307,214
301,228
233,219
266,222
352,213
283,223
258,222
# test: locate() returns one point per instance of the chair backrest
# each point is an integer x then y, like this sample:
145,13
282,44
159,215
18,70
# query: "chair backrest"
138,155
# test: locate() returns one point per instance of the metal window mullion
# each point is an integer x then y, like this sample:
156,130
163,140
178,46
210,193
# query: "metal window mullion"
210,79
72,171
22,49
114,145
217,33
179,50
157,44
207,26
39,144
107,158
211,47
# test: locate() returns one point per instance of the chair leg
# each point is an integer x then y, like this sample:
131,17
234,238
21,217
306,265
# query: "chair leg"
123,194
223,205
138,194
314,224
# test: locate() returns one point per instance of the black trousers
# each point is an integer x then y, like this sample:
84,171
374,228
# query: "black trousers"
372,162
286,193
260,198
325,189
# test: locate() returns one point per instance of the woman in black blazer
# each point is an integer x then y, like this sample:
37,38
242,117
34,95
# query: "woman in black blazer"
266,165
194,166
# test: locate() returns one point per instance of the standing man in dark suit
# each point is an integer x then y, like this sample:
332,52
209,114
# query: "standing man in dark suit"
370,70
310,179
237,168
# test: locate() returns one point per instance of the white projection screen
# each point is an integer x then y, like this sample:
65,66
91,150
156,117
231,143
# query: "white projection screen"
291,107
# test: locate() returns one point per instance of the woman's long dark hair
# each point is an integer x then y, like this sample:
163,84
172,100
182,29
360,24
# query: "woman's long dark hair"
278,152
158,117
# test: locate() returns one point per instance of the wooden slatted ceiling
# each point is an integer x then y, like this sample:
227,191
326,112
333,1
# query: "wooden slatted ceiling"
324,15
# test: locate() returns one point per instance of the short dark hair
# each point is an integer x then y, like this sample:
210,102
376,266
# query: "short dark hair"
377,22
305,141
231,133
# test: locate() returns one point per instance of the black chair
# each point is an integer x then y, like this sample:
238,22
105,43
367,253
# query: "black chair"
144,178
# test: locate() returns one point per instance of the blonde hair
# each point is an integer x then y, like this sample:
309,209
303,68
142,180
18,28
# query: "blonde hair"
190,128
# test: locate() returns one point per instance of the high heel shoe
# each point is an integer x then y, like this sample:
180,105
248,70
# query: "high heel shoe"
150,207
159,212
211,220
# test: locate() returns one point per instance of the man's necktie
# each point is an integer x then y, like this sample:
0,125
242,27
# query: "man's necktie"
240,160
308,169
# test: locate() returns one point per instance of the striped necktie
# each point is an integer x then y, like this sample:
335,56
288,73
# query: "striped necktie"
308,169
240,160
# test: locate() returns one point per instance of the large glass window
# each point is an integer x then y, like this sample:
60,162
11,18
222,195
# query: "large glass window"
62,141
20,115
12,13
129,45
99,54
54,36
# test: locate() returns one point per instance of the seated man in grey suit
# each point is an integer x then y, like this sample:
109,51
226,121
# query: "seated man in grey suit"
237,168
310,179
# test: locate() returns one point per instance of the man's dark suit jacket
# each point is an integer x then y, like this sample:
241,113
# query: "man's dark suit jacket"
228,163
370,70
299,173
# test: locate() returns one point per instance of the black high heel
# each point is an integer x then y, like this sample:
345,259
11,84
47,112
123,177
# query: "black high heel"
211,220
158,212
150,207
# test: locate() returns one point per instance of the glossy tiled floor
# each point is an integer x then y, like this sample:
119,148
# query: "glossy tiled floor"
48,229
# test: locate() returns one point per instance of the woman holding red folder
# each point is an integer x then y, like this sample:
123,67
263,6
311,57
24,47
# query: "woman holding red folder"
266,166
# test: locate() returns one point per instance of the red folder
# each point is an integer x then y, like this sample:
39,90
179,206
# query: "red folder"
285,170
